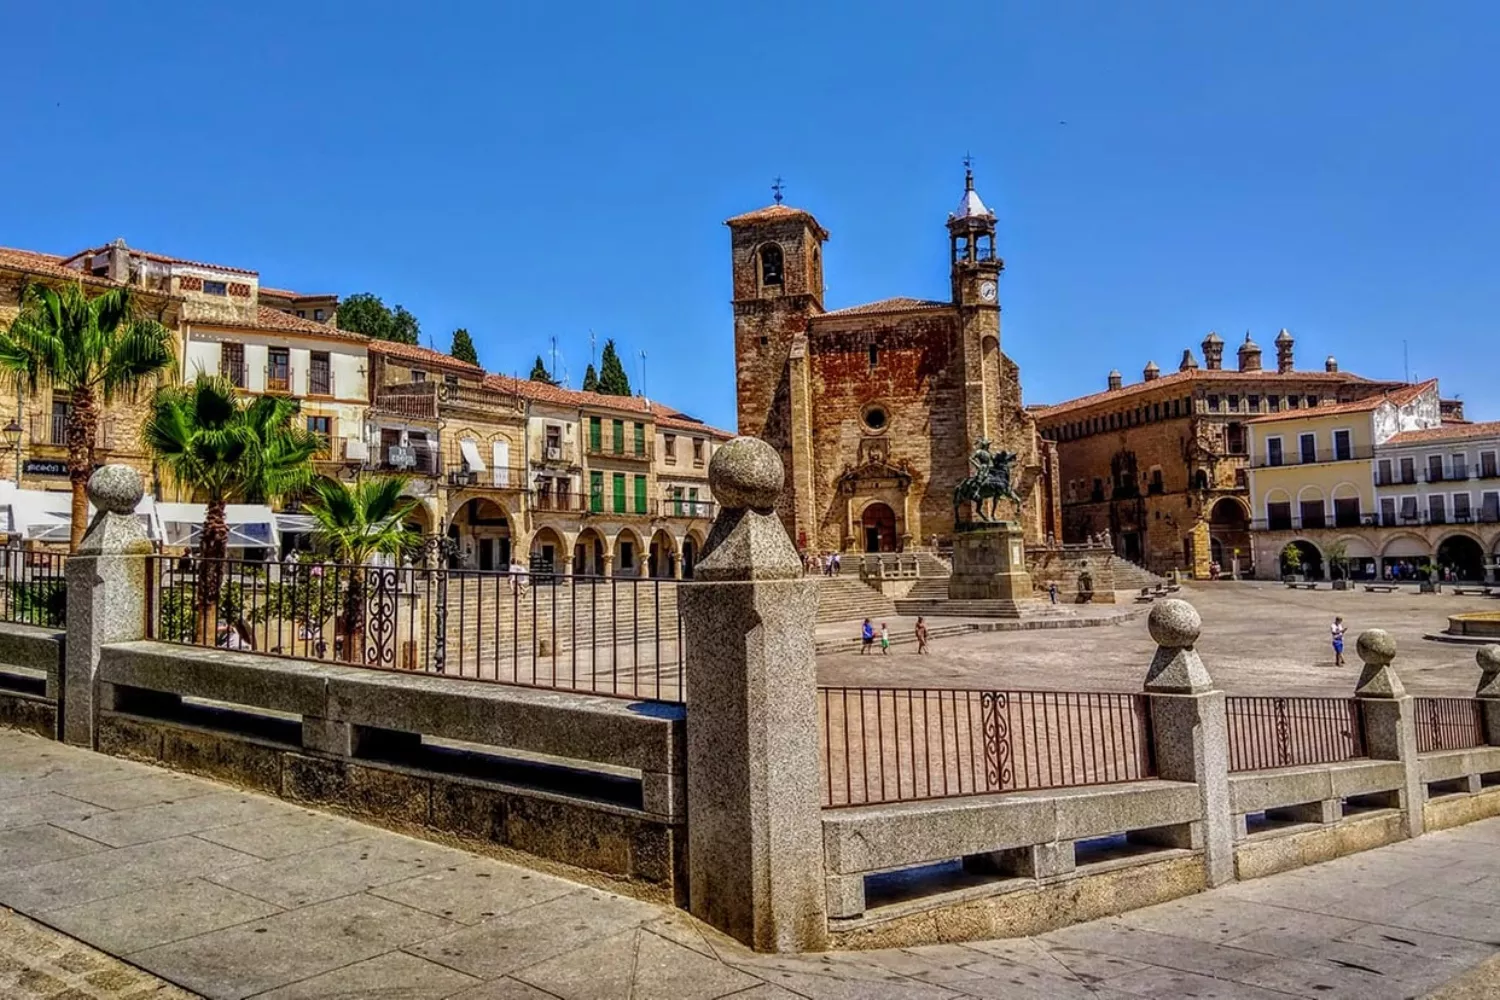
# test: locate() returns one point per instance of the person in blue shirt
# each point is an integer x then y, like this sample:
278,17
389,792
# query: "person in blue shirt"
867,637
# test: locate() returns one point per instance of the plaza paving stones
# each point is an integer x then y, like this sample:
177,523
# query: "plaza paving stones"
233,895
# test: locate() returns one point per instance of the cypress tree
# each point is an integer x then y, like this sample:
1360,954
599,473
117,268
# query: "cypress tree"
612,378
463,347
539,372
590,379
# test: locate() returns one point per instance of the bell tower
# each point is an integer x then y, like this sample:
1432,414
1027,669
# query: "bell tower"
976,271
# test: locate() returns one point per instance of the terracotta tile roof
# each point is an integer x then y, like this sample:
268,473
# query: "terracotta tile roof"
423,355
1193,375
163,259
658,412
776,213
1448,432
899,304
45,265
1398,397
275,321
282,293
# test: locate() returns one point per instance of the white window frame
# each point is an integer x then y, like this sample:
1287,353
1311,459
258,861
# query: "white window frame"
1429,456
1333,442
1281,445
1416,505
1494,459
1314,436
1388,480
1453,466
1453,508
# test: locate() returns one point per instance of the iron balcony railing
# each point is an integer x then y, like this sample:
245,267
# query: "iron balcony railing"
52,429
491,478
624,450
1317,456
683,507
546,500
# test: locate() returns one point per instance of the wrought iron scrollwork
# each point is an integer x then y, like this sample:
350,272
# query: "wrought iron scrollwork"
380,637
1283,731
997,740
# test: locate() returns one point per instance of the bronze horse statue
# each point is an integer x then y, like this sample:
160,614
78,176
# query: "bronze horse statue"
990,481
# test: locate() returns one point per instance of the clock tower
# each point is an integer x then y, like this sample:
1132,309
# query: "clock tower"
976,271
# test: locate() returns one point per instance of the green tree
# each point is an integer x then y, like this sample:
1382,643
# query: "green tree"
463,347
367,314
539,372
224,449
612,378
92,349
354,524
590,379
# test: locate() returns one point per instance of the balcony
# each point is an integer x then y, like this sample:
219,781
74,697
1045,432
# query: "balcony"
1318,456
685,508
410,401
622,450
320,382
491,478
546,500
52,430
280,379
1395,479
555,455
406,460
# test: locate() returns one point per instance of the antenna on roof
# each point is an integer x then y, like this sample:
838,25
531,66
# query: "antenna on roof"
643,373
593,344
1406,361
553,367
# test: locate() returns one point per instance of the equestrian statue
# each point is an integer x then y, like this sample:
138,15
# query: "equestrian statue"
990,481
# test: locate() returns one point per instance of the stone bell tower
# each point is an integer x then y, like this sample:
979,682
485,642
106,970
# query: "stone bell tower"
976,271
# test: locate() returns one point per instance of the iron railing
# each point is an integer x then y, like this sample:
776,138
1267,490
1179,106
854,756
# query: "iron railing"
1448,724
609,636
685,507
905,744
35,588
1289,732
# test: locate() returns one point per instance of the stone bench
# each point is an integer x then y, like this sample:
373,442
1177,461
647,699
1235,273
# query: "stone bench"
1293,585
1381,588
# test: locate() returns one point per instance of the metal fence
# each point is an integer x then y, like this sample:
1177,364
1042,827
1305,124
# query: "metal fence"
35,588
905,744
1448,724
610,636
1288,732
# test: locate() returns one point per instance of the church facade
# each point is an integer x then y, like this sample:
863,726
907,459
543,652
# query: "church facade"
877,408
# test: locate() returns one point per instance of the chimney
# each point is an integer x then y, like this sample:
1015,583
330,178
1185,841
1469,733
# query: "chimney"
1331,365
1115,380
1152,373
119,261
1249,355
1213,352
1189,363
1284,352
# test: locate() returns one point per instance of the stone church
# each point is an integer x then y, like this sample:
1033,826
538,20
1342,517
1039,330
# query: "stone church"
876,408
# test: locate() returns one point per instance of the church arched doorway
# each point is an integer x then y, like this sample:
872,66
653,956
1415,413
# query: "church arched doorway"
878,528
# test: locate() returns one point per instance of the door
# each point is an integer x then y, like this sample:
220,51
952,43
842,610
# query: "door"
486,553
500,462
879,528
619,493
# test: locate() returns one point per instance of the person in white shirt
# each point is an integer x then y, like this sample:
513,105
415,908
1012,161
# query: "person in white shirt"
1337,630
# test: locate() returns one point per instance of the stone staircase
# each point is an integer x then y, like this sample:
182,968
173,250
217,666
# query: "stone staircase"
1133,576
845,598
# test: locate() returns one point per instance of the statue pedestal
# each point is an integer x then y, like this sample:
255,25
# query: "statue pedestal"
989,564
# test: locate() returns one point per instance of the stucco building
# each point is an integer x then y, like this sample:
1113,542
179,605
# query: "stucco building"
876,408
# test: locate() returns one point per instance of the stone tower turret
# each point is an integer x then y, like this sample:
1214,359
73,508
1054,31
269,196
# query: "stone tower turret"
1284,343
1213,352
1249,354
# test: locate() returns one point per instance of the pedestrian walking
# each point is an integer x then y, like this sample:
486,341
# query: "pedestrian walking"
885,640
866,637
837,565
1052,591
1337,629
921,631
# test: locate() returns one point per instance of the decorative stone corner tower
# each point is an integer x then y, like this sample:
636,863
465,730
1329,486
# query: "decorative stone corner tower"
755,833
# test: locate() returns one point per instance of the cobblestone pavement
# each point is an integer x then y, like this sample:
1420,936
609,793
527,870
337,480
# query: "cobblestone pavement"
234,895
1258,638
36,961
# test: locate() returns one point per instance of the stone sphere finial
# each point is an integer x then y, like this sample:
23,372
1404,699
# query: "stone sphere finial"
1376,647
746,472
1488,658
116,488
1174,623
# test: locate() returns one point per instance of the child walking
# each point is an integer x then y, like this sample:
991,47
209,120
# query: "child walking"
1337,629
885,640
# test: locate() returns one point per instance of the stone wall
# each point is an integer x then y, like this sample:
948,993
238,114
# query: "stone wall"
30,679
1064,567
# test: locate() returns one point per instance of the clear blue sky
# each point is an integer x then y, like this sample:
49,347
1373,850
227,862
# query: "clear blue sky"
530,170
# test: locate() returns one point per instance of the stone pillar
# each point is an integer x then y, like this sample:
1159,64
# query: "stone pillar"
107,584
755,834
1488,658
1189,728
1390,723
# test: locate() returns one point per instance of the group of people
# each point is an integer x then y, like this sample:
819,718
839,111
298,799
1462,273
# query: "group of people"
867,635
827,563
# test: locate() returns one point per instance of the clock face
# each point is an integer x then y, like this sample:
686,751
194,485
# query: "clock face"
987,291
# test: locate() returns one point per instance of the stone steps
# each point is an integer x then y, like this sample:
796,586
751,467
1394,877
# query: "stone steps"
1133,576
842,599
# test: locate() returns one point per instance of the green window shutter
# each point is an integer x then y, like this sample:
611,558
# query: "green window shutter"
619,492
619,436
596,492
594,434
677,501
640,439
640,494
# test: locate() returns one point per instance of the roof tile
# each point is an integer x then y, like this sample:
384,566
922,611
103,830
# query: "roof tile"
899,304
1448,432
1398,397
1195,375
416,352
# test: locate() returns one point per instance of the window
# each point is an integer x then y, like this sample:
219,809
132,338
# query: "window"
1343,449
1460,465
640,439
617,435
697,451
1279,516
1388,512
1313,514
1273,403
1437,509
1242,479
1254,402
323,427
418,375
1489,508
640,494
596,434
1273,451
1307,448
1383,473
1408,470
596,492
552,437
451,381
669,448
1434,468
771,264
874,356
319,376
1487,468
1213,404
1098,491
318,315
1346,512
1155,484
215,288
1234,435
1408,509
1461,511
59,428
1312,402
1291,402
278,370
875,418
1234,404
232,363
619,491
302,314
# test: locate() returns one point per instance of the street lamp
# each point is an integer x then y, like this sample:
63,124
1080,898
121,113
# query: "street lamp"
12,434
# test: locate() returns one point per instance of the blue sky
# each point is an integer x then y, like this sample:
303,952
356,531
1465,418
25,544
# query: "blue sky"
539,170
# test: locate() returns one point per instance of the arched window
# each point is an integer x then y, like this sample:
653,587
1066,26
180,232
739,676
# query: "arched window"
770,264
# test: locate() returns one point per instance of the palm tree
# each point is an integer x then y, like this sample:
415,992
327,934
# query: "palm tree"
224,449
355,524
92,348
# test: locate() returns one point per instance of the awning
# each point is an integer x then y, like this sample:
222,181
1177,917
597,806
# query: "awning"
470,450
47,515
1358,548
250,525
1406,548
298,524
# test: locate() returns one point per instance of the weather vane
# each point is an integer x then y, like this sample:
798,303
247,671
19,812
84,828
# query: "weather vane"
777,187
968,162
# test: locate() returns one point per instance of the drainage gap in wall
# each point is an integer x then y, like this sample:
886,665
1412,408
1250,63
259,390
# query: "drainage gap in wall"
27,683
1115,847
1442,789
1489,780
212,715
888,888
1355,805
